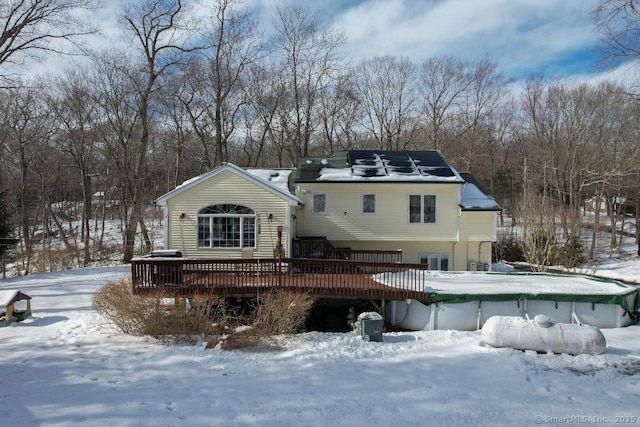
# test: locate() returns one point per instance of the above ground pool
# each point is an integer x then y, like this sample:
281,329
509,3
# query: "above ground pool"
465,300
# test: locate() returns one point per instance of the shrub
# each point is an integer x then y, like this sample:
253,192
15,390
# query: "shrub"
282,312
541,247
157,314
209,318
182,320
128,312
571,253
275,314
507,248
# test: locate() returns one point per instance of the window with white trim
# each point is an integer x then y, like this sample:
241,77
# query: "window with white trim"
319,203
422,208
227,226
435,261
368,203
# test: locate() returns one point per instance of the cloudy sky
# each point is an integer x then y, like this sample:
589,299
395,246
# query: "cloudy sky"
524,37
553,37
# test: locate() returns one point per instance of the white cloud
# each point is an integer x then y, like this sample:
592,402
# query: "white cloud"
627,75
522,36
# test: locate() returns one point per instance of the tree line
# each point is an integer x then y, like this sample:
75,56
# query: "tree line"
197,85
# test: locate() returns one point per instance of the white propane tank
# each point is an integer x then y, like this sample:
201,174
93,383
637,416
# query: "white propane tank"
542,334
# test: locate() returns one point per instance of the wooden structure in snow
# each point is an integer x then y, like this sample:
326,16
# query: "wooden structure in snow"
8,311
323,278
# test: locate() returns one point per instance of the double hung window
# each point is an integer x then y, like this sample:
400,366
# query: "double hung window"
319,203
422,208
368,203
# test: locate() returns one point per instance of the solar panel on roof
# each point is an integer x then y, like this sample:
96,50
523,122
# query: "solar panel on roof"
374,172
398,162
367,163
365,171
443,172
360,155
371,163
429,158
404,170
395,156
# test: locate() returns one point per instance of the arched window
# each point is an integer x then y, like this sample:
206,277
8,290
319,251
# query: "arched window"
226,226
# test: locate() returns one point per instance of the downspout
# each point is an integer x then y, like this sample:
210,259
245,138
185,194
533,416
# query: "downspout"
457,237
467,266
480,252
165,213
287,252
495,226
292,228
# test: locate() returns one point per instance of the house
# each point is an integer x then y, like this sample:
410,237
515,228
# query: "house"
412,201
230,212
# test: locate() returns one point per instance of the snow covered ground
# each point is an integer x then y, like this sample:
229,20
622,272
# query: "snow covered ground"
63,367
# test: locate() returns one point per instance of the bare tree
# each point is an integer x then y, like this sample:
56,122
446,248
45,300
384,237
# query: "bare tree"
31,28
340,110
619,23
213,94
478,125
386,87
235,46
310,61
444,83
265,93
539,242
26,130
77,115
160,41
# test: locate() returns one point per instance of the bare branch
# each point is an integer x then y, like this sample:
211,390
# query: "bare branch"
34,27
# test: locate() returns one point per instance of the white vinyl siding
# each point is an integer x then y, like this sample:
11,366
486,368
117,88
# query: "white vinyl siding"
344,220
461,235
478,226
226,188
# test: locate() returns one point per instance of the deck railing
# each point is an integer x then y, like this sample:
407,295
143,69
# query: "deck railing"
320,248
362,255
320,277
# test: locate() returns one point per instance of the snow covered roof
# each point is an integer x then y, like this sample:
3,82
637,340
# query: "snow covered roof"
277,177
474,198
273,180
378,166
11,296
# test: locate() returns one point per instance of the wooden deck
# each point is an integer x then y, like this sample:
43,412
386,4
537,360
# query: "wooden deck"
320,278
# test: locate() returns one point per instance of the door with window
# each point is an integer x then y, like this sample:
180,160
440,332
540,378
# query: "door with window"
435,261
